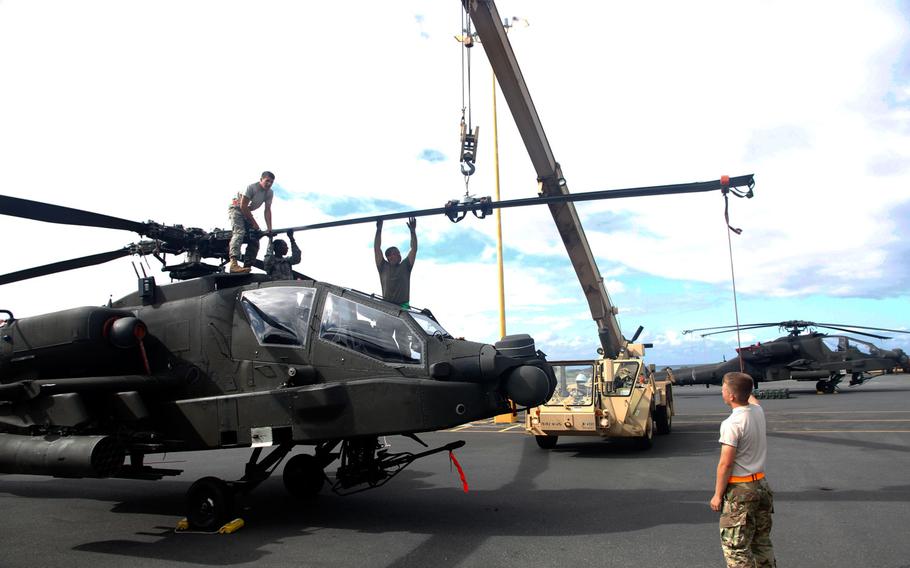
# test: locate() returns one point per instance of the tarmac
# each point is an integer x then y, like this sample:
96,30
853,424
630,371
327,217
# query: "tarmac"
838,465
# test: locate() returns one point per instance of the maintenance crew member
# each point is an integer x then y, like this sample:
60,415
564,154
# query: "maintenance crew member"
394,273
741,492
242,220
278,266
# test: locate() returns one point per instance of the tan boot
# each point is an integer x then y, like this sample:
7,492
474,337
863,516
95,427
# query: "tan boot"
235,268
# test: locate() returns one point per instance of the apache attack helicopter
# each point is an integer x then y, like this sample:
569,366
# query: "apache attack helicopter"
220,360
799,356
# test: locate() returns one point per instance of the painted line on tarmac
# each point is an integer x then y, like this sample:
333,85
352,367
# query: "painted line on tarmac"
512,427
838,431
463,430
784,412
714,433
813,420
484,431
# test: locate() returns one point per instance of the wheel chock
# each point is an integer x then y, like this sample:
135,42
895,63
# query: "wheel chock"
183,526
232,526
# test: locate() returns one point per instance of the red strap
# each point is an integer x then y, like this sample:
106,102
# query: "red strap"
454,460
145,359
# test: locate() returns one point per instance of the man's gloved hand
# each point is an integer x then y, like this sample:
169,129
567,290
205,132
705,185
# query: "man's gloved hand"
291,235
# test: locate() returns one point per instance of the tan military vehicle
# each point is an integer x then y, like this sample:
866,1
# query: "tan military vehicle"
610,398
614,396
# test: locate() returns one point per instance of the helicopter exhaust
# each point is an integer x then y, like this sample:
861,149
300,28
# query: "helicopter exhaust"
60,456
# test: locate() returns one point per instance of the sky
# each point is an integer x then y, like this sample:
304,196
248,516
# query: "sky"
162,111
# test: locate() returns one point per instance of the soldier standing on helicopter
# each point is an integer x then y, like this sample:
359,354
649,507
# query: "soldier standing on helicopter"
395,273
242,220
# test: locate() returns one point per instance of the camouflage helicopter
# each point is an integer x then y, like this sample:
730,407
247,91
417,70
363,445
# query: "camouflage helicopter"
220,360
811,356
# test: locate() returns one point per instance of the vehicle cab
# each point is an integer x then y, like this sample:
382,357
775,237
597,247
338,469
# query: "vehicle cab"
610,398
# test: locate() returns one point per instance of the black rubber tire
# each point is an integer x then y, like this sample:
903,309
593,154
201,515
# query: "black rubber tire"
663,415
647,440
209,504
663,419
546,442
303,476
820,386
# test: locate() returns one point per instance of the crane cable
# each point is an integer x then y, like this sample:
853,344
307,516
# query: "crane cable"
725,189
468,152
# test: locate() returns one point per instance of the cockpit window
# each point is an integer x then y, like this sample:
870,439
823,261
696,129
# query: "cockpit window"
625,377
574,385
843,344
429,325
369,331
280,315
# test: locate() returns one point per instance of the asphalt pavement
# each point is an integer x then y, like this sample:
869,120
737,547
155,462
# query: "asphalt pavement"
838,465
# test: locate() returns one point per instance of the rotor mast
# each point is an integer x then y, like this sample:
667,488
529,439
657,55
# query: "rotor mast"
489,28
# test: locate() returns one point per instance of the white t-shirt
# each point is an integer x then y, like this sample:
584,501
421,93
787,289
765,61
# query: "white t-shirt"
744,429
256,194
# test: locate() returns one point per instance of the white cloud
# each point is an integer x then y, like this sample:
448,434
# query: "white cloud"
162,114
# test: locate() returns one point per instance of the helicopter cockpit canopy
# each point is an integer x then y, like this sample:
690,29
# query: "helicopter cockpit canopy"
429,325
279,315
370,331
842,343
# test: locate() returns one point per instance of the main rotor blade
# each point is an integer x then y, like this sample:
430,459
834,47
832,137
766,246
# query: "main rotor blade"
64,265
734,328
836,325
39,211
478,206
731,327
853,331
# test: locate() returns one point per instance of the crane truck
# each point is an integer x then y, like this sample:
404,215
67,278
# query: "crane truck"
615,395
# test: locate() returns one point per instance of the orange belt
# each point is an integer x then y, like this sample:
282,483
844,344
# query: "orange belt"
746,478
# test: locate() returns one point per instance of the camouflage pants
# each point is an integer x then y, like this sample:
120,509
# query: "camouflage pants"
239,228
745,525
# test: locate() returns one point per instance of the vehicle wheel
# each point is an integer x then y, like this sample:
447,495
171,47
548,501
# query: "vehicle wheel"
820,386
209,504
546,442
303,476
663,418
647,440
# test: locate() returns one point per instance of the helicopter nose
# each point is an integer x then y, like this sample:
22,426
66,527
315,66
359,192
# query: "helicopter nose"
527,385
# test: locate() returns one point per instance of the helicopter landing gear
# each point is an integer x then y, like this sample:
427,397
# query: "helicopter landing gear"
209,504
366,464
827,387
856,379
304,476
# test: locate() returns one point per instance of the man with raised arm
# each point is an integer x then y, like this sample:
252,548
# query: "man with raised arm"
394,273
